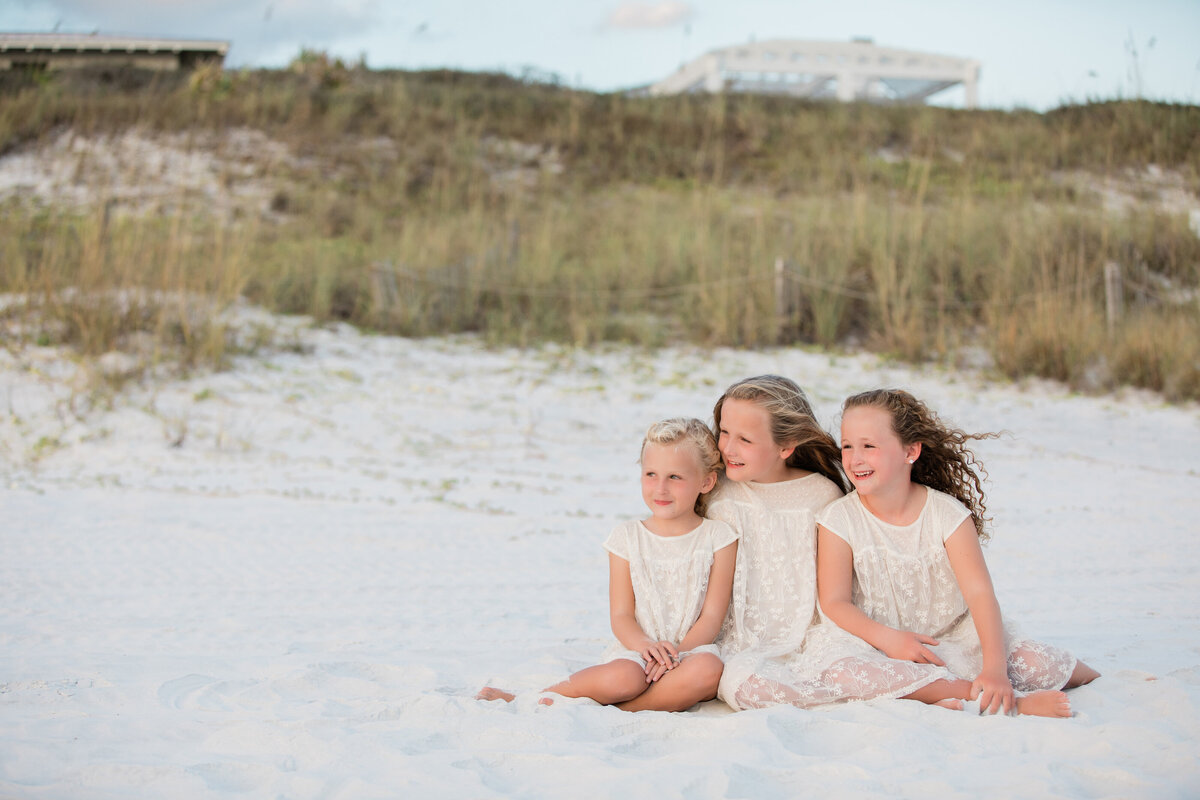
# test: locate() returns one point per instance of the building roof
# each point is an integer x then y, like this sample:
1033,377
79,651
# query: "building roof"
856,70
95,43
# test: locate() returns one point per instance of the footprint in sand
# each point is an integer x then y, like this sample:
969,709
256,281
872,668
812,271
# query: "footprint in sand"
234,778
202,693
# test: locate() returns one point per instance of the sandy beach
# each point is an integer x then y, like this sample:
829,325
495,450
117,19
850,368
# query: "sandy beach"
288,580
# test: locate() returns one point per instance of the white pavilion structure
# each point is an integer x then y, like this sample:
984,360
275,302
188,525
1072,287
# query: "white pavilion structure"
39,51
848,71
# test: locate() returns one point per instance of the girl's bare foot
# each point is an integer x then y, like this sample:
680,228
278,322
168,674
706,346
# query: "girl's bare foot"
1048,703
950,703
491,693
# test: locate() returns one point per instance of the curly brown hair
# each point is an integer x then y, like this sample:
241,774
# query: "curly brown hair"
793,424
945,463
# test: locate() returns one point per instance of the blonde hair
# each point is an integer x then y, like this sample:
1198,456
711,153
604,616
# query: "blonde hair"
690,431
945,463
793,424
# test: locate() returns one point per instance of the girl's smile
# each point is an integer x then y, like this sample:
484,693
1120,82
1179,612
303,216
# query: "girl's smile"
873,456
746,444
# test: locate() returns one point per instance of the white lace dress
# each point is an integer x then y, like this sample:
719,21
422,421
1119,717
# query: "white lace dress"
776,647
670,579
903,579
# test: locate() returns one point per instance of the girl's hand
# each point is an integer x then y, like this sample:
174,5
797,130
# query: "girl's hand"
909,646
660,658
994,692
655,670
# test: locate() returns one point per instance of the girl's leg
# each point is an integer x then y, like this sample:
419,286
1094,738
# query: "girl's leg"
850,678
948,694
760,691
951,694
693,681
1081,675
607,684
862,679
1033,667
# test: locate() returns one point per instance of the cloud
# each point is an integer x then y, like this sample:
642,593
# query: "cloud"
656,15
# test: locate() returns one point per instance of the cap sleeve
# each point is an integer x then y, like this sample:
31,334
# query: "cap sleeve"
831,493
617,542
723,508
835,519
948,512
723,534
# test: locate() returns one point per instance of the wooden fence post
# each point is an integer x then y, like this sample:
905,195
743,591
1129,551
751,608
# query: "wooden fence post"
781,303
384,291
1113,295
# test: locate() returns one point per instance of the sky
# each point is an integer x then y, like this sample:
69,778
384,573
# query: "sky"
1036,54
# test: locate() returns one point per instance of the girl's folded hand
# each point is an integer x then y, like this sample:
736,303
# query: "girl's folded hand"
660,658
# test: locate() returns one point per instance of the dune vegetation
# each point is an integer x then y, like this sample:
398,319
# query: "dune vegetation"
1063,245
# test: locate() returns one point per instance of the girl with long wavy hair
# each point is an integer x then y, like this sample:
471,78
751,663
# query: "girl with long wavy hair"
900,563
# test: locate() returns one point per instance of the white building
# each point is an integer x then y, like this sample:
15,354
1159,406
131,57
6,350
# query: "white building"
857,70
39,51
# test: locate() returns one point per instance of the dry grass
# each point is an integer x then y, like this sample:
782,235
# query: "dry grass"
426,203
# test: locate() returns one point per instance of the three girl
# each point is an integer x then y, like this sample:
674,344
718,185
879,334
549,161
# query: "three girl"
910,607
670,577
900,563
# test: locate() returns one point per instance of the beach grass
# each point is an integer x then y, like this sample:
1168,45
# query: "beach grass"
441,202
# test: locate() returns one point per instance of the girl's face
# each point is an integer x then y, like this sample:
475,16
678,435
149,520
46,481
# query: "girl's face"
747,447
672,479
873,456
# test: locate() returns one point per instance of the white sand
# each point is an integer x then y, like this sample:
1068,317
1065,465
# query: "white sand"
300,599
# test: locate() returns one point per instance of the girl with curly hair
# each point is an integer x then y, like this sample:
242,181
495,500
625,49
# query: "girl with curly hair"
900,563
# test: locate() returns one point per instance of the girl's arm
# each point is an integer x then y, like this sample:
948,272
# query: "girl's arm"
624,624
716,600
835,580
992,685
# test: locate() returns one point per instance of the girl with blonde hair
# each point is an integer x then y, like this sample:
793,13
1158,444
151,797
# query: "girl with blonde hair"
669,581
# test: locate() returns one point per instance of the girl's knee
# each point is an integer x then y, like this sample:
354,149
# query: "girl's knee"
627,678
704,674
613,682
1034,667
